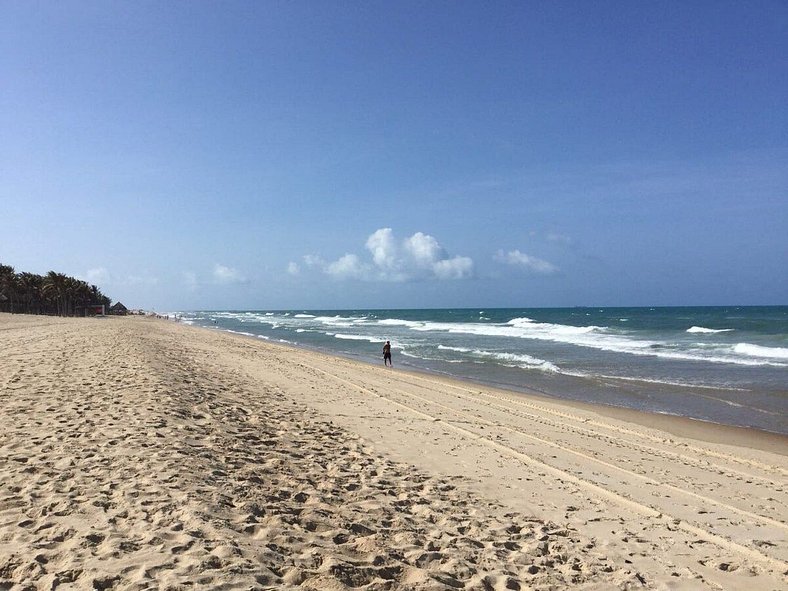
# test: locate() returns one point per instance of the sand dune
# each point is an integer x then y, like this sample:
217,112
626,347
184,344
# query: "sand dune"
142,454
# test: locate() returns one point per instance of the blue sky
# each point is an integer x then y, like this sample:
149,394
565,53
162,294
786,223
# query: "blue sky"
200,155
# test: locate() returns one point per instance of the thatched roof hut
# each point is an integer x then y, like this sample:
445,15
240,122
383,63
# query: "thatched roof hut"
118,308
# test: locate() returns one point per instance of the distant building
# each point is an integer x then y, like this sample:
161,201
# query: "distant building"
119,309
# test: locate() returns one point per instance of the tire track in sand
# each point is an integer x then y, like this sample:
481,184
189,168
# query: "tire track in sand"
579,426
623,430
562,475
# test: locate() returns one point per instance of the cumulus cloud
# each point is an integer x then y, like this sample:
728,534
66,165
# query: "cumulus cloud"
383,247
293,268
348,266
225,275
531,263
311,260
456,268
98,276
419,256
424,250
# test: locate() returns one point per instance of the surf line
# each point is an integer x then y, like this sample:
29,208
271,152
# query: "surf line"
586,457
706,452
581,426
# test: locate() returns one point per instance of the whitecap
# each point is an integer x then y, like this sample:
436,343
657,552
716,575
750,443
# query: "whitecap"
760,351
398,322
457,349
703,330
601,338
357,337
334,320
524,361
517,360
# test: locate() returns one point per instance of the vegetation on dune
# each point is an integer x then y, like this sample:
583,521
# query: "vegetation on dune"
53,293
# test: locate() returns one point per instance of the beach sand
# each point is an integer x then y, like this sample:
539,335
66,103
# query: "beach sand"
143,454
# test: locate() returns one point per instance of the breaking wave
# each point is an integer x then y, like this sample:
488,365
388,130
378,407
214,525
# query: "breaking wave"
702,330
760,351
510,359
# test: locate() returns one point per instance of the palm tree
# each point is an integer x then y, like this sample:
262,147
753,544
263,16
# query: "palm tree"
54,293
30,291
71,290
8,288
55,290
81,296
97,298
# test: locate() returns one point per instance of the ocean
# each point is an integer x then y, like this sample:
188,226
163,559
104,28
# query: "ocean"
725,365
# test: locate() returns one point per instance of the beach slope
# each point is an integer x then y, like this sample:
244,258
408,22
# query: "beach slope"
143,454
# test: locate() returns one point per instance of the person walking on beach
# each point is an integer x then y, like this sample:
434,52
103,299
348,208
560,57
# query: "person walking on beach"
387,354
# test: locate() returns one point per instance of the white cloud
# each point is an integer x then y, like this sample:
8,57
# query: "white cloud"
98,276
383,248
520,259
424,250
293,268
222,274
347,267
456,268
312,260
419,256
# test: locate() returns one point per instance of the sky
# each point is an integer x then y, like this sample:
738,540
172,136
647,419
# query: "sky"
338,155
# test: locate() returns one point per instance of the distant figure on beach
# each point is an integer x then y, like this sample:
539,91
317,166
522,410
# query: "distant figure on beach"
387,354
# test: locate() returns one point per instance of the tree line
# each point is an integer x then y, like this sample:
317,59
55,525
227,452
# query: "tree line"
53,293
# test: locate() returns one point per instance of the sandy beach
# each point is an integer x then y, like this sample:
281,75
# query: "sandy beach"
138,453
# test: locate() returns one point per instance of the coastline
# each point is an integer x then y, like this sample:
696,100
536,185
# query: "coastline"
147,453
652,362
690,427
687,427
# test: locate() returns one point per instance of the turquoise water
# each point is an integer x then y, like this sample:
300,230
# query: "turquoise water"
722,364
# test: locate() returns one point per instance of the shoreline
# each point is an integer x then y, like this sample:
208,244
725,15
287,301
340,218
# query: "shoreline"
678,425
148,454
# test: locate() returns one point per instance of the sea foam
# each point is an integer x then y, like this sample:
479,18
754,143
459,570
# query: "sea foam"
600,338
759,351
357,337
517,360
